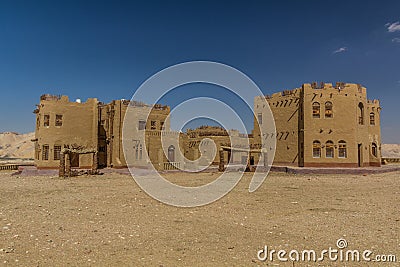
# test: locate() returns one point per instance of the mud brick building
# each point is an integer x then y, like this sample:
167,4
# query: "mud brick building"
321,125
90,126
317,125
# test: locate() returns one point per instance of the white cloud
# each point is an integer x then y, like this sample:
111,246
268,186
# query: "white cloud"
393,27
340,50
396,40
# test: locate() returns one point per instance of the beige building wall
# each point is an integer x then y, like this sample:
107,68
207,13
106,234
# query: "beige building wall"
316,126
325,126
195,147
349,124
285,108
150,119
76,127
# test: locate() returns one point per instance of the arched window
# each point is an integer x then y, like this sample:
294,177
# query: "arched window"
316,110
316,149
171,153
361,113
330,149
342,149
328,110
374,149
372,118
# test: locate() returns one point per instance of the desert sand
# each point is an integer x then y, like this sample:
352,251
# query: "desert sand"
107,220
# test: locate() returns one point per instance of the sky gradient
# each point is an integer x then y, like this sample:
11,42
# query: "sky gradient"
106,49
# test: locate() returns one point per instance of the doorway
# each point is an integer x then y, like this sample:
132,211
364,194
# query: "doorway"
171,153
360,155
74,160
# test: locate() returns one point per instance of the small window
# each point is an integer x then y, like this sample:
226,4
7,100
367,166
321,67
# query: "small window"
57,152
59,120
37,122
330,149
142,125
316,109
162,127
46,120
259,117
342,149
153,125
45,152
372,118
374,149
328,110
316,149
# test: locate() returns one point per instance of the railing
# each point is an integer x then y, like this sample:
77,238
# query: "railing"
9,167
159,133
391,160
172,166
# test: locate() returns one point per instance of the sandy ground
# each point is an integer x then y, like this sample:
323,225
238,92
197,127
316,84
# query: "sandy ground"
108,221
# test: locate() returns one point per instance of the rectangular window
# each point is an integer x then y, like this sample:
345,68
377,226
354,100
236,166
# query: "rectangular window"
59,120
315,113
316,152
46,120
342,151
153,125
259,117
57,152
162,126
142,125
372,119
45,152
329,151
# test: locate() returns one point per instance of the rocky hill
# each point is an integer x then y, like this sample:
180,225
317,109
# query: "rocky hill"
391,150
15,145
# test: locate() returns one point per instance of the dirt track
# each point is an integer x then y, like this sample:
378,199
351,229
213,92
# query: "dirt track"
108,220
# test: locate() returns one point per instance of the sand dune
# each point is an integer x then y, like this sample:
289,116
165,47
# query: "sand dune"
14,145
391,150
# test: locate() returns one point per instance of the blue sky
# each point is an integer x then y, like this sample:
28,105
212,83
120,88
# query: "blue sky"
106,49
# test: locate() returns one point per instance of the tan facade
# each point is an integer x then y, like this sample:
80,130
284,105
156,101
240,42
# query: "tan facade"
111,117
316,126
93,126
195,147
61,123
326,126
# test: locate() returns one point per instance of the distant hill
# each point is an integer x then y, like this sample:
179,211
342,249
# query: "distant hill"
391,150
15,145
